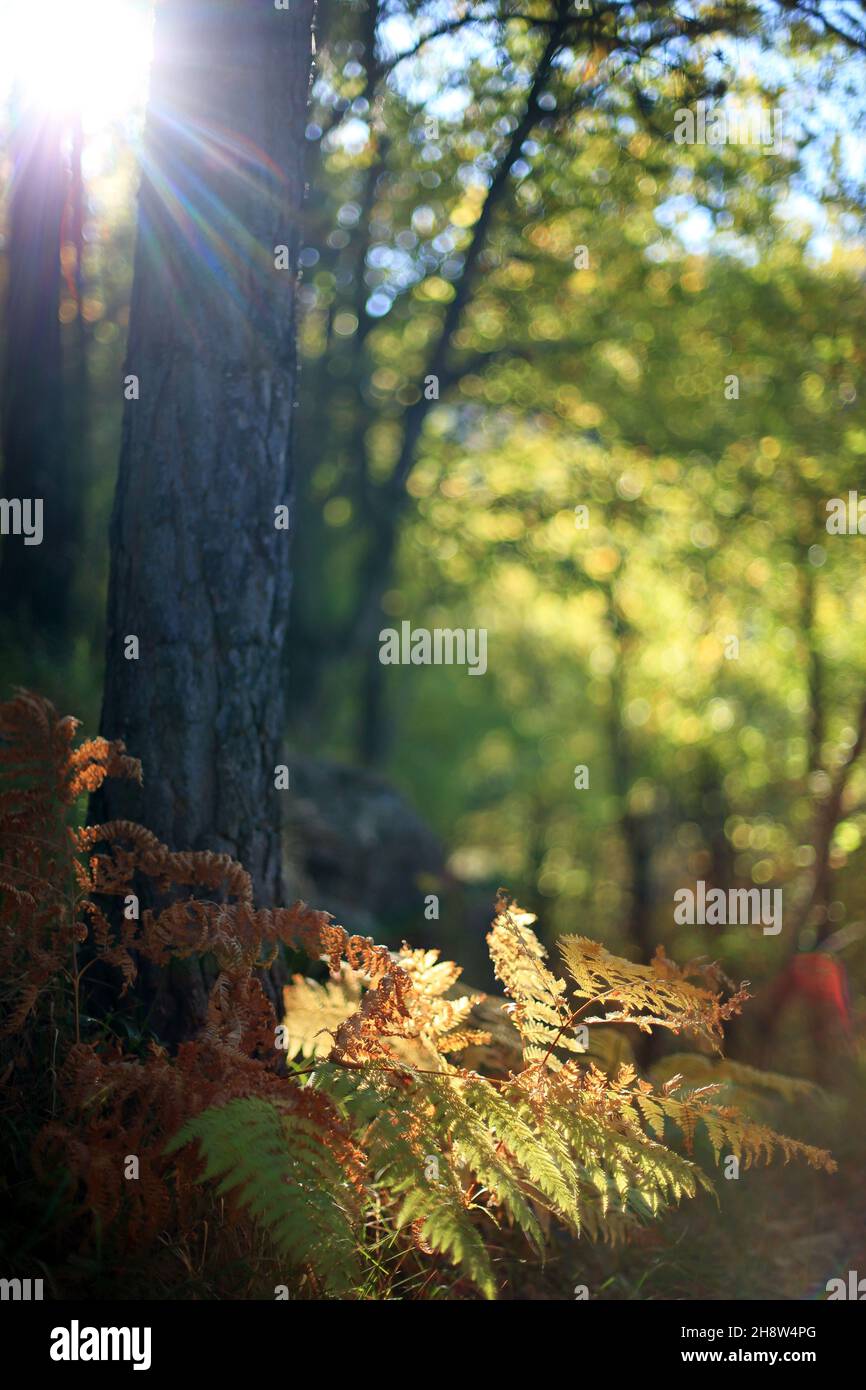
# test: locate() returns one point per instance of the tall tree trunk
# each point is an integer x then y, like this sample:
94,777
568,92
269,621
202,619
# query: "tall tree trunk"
35,579
199,570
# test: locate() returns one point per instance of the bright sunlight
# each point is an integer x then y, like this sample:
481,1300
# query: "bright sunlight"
90,58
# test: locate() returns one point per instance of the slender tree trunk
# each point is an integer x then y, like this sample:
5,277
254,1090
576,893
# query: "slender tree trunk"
386,513
633,826
815,668
200,571
35,579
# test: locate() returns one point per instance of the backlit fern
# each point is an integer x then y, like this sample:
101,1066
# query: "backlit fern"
358,1111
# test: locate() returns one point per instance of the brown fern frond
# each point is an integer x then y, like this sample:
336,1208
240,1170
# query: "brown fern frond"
168,868
93,761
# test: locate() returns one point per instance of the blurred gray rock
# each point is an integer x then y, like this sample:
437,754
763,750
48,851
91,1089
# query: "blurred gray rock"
354,846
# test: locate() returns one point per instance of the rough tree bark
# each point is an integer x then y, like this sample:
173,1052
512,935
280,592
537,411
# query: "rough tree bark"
199,571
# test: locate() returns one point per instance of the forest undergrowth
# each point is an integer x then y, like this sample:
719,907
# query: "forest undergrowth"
371,1142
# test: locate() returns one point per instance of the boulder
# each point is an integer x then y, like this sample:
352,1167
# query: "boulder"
355,847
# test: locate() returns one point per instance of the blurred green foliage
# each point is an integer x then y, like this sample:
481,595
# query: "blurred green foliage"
605,386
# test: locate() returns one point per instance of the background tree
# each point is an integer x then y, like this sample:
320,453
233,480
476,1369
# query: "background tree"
35,580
